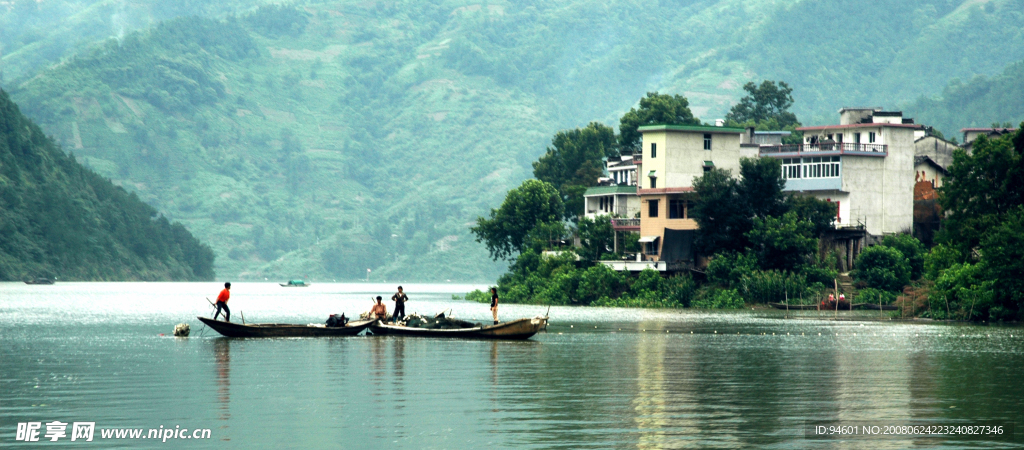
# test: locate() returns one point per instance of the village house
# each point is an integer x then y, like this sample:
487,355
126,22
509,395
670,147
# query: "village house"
970,134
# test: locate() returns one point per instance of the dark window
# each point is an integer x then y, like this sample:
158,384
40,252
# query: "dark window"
707,141
708,169
654,151
652,208
839,138
871,137
654,183
676,209
651,248
856,138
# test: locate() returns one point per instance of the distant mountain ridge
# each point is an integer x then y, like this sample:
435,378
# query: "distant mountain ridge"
328,138
59,219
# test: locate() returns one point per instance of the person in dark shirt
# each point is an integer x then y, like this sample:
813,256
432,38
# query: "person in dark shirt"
494,304
399,298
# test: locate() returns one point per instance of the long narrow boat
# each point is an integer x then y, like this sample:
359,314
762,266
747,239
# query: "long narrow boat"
231,329
793,307
516,329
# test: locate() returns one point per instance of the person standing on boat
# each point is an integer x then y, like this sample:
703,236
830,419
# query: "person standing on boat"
494,304
222,303
379,311
399,298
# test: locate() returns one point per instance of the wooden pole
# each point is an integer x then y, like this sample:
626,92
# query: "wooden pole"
880,315
243,316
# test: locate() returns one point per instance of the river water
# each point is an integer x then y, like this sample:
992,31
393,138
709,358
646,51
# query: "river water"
599,377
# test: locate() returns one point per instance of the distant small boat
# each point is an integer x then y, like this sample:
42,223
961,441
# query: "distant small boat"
295,283
40,280
232,329
516,329
793,307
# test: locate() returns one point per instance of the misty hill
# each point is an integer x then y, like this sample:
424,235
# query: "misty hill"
337,136
979,102
59,219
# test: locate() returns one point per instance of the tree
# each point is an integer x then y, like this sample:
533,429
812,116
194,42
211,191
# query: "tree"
782,243
573,163
761,186
720,212
883,268
596,237
994,168
1002,250
765,103
911,248
534,203
820,213
655,109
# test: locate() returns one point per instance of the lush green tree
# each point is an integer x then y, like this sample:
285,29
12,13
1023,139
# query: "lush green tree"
911,248
883,268
782,243
726,268
600,281
766,103
1002,250
531,204
980,189
573,163
761,186
721,213
820,213
596,237
655,109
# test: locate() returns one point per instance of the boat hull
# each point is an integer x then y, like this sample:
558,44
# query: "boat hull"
794,307
516,329
231,329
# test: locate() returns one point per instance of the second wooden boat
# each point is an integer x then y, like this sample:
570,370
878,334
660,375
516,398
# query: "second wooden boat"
794,307
232,329
516,329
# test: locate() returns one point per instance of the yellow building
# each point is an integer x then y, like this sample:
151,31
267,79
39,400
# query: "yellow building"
673,155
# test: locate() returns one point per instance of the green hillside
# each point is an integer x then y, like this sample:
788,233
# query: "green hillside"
332,137
59,219
979,102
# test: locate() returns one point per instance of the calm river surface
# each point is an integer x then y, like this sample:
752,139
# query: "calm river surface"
600,377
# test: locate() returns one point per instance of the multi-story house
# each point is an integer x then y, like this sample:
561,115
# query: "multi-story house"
673,155
865,165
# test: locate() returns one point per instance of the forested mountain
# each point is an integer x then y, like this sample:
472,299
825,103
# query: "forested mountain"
979,102
59,219
326,138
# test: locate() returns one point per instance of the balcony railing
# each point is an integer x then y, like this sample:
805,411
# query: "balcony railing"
625,222
838,147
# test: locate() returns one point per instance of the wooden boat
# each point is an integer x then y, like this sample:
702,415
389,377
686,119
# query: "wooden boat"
295,283
794,307
877,307
40,280
516,329
231,329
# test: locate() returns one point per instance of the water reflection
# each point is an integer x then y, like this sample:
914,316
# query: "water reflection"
222,356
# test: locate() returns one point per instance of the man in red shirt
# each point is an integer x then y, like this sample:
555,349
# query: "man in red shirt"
222,303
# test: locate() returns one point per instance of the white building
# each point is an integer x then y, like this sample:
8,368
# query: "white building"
865,165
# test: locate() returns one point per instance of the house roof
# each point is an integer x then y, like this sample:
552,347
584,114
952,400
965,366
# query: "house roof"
672,190
862,125
606,190
924,159
693,128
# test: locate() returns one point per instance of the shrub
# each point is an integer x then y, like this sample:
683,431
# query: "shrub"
911,248
478,296
962,293
718,299
872,296
680,289
599,281
727,268
883,268
771,286
648,285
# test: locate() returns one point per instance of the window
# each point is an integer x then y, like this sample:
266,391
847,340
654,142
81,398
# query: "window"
676,209
839,138
651,248
654,150
871,137
707,141
856,138
652,208
654,182
790,168
821,167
